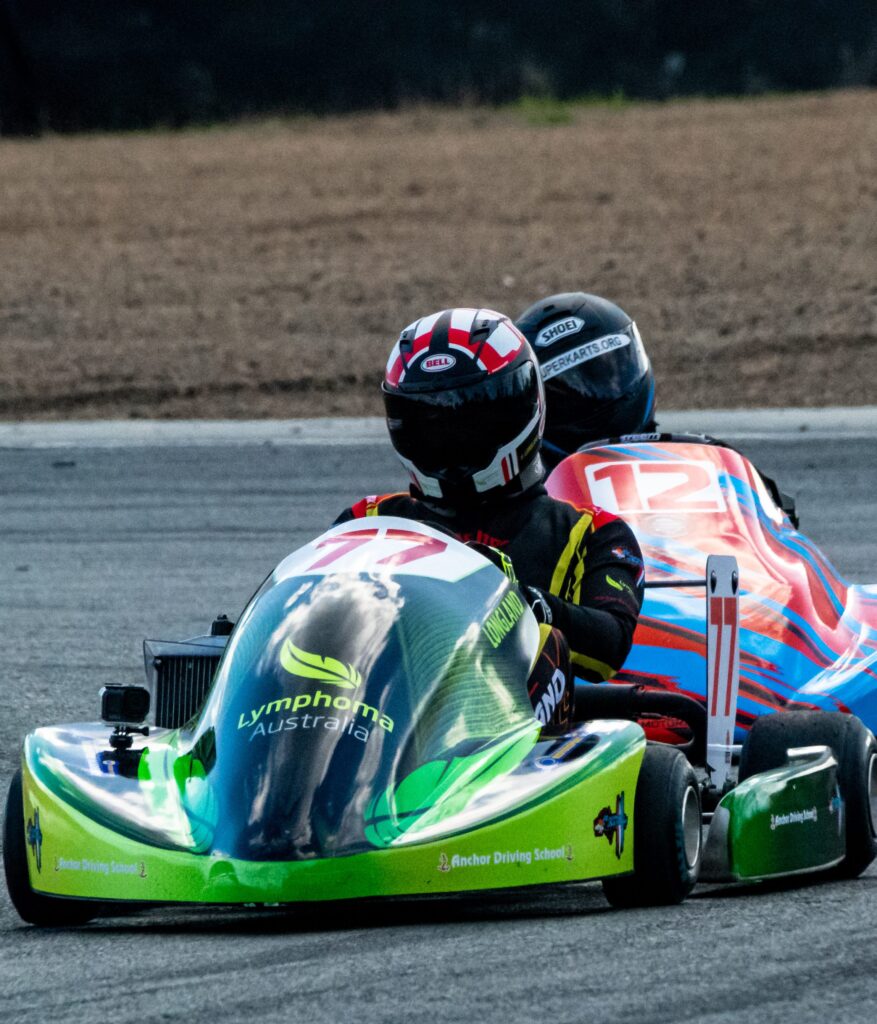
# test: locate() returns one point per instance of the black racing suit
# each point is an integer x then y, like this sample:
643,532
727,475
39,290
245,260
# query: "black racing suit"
585,562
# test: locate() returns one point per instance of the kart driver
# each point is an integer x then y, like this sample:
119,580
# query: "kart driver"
598,379
465,410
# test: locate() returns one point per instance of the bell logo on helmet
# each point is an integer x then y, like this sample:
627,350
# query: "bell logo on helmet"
437,364
554,332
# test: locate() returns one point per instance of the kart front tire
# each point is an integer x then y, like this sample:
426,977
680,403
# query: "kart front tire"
47,911
666,834
853,745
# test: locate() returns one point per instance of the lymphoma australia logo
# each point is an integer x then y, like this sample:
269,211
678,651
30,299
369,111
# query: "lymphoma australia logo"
314,666
317,709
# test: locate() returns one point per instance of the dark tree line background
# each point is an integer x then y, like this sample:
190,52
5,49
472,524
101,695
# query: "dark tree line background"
84,64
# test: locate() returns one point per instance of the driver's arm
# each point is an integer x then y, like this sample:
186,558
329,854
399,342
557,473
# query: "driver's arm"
597,601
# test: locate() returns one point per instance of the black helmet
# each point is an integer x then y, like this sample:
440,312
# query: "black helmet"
598,378
465,407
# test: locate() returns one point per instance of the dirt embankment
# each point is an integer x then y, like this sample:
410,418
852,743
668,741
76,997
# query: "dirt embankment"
265,270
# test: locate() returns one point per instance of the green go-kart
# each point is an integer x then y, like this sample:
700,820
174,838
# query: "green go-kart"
368,733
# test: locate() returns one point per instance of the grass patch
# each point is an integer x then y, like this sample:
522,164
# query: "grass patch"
548,110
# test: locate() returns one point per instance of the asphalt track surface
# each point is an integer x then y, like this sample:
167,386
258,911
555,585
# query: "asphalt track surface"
101,546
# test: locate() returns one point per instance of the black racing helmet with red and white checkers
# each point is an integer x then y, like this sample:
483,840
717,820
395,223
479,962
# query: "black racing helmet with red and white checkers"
598,377
465,407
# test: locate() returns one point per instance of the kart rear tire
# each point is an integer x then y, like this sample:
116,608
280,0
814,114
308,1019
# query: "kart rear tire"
667,843
856,752
46,911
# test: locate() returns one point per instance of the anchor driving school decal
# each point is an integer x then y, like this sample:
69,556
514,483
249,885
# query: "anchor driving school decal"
34,835
495,858
613,824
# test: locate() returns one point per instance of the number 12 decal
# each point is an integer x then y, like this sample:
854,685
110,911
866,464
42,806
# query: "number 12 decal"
655,487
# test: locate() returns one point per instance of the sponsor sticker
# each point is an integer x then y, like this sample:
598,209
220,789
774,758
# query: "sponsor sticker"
560,329
552,698
497,857
135,869
836,806
355,715
613,824
502,619
636,438
793,818
438,364
34,835
315,666
583,354
330,711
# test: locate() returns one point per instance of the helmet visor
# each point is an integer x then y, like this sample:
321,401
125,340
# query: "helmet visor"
461,429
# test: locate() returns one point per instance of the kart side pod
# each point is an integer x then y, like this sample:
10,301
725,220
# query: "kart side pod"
785,821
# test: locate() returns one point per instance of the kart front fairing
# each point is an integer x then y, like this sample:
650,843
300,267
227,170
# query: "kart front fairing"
336,688
351,705
368,733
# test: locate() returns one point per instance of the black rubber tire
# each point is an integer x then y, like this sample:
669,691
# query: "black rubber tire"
856,752
47,911
666,867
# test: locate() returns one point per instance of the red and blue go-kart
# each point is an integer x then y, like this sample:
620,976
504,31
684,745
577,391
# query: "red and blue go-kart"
807,638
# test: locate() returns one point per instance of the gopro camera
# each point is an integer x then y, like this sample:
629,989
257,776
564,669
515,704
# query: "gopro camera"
124,705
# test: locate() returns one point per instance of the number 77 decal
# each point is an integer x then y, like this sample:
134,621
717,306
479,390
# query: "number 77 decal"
421,546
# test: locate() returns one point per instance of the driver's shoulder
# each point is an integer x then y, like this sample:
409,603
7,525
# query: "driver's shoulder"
394,504
579,515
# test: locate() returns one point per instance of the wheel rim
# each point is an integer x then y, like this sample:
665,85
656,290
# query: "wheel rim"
691,826
872,792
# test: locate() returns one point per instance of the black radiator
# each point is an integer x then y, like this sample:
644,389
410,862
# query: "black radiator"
180,675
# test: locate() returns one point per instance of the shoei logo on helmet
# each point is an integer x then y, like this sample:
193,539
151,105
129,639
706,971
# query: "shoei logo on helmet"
554,332
436,364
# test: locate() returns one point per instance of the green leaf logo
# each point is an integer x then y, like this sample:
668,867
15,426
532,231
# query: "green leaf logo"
312,666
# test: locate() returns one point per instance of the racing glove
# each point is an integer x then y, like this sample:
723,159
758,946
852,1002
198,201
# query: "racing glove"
499,559
538,605
532,595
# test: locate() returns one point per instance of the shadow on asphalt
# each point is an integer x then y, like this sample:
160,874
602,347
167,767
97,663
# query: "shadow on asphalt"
780,885
328,917
580,900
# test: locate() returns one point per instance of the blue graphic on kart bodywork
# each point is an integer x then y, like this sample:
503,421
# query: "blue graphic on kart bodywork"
34,836
613,824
